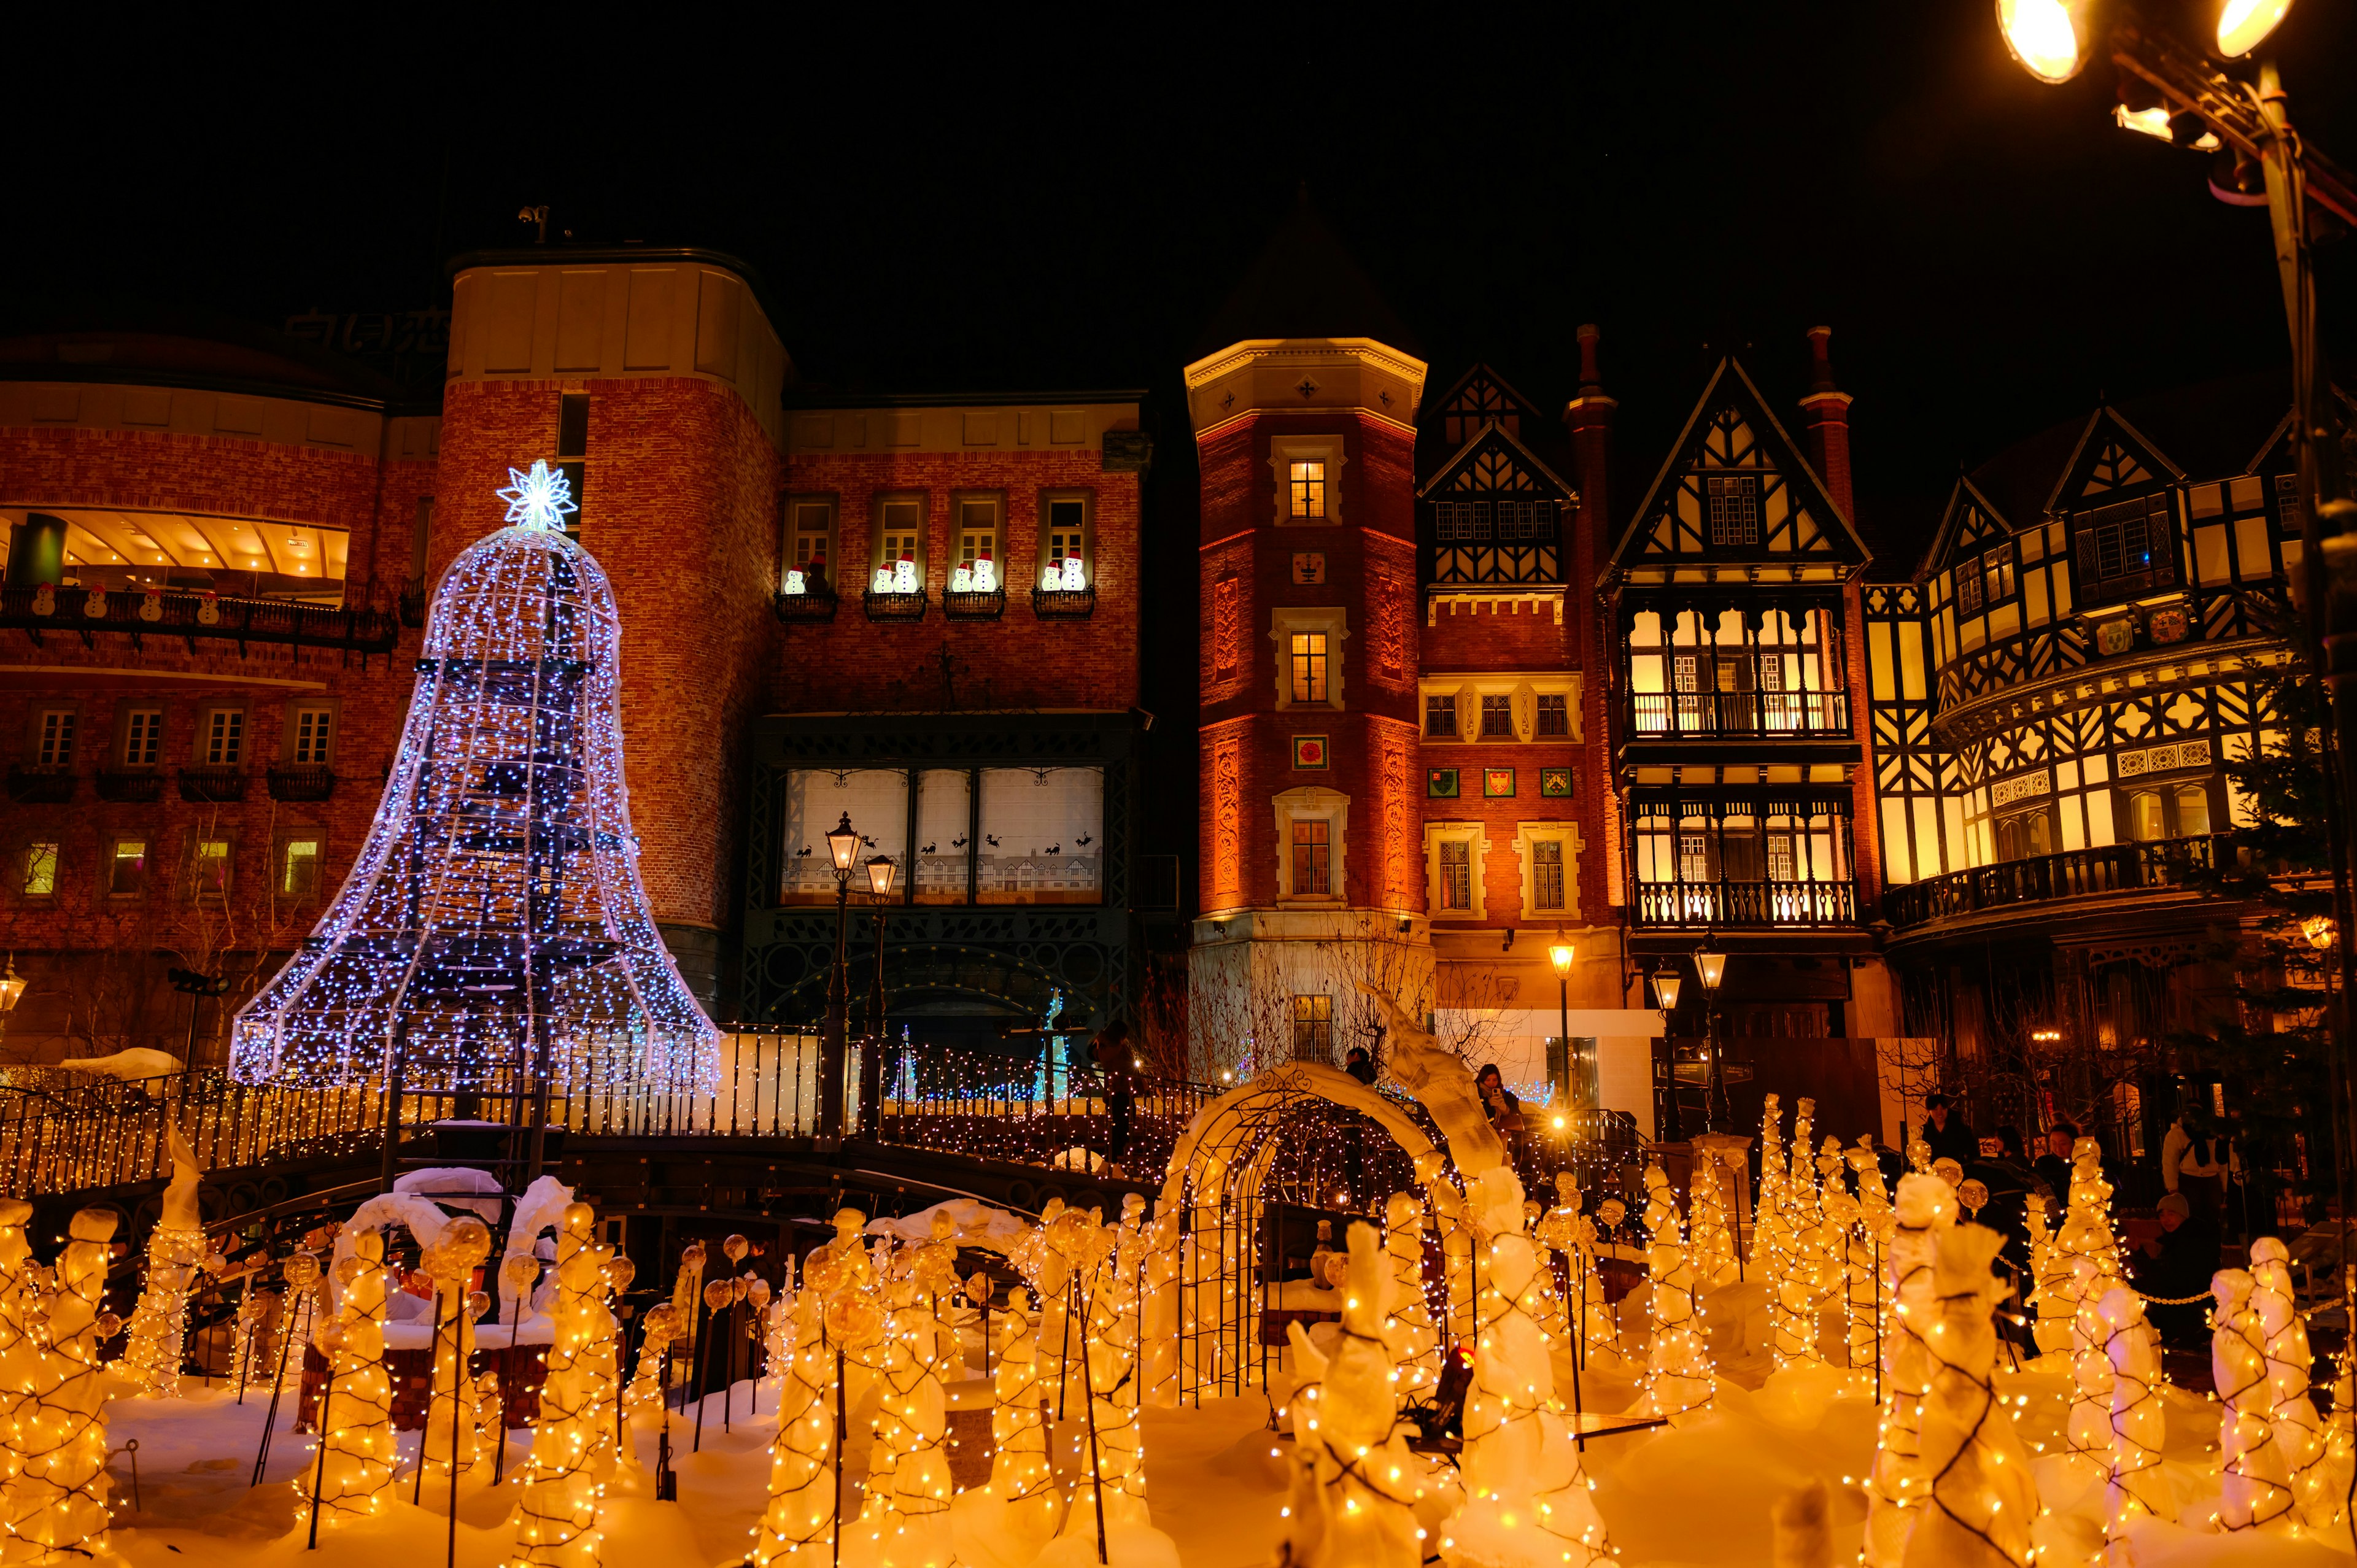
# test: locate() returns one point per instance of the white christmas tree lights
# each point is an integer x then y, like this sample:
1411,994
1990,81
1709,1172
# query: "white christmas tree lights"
56,1508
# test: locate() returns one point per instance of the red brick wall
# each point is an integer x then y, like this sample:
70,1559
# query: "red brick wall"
681,512
1016,661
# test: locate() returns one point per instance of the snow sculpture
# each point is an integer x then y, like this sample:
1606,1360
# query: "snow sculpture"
1984,1500
176,1247
1860,1299
2300,1433
20,1347
356,1472
453,1428
661,1332
904,574
56,1506
2048,1296
2088,1431
916,1410
2340,1442
557,1526
2134,1485
1076,577
2086,1234
1414,1341
1007,1523
1713,1204
2256,1486
1526,1502
1678,1375
803,1472
493,923
1355,1485
1900,1485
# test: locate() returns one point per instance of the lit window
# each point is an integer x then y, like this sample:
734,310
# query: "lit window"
1313,849
1064,556
1309,667
1310,489
143,737
810,545
1780,865
311,731
298,875
2126,548
1734,508
899,548
1546,873
2192,810
126,871
1497,718
208,868
40,878
1693,857
56,746
1313,1028
2146,819
1456,873
1440,718
1554,714
223,741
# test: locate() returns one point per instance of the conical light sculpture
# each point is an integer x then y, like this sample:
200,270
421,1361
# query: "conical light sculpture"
493,934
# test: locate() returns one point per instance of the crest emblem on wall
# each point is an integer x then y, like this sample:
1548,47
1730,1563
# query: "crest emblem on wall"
2169,624
2116,636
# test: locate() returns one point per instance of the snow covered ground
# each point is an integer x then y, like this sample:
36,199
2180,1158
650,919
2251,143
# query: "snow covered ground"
1698,1494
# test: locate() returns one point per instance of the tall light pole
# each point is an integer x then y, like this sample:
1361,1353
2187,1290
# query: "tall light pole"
1710,968
871,1072
1559,954
1666,985
834,1034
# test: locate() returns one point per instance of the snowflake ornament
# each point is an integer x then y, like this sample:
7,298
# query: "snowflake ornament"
539,499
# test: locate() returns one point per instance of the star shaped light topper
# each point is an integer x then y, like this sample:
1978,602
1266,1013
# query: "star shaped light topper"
539,499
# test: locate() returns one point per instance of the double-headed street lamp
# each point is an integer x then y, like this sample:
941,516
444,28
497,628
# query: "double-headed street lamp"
834,1033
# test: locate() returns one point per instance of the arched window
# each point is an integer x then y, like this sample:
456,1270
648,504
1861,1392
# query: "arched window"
2146,819
2192,810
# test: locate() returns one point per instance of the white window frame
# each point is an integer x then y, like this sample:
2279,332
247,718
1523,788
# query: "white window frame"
1048,501
56,735
1567,834
292,742
152,754
1284,451
827,506
1523,687
200,751
1468,834
885,500
1335,622
1313,801
960,528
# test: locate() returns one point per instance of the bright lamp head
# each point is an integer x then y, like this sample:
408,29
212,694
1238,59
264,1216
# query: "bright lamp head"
1560,954
2243,25
2049,38
842,844
1666,986
1712,967
879,875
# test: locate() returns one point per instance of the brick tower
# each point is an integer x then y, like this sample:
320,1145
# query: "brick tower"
1311,879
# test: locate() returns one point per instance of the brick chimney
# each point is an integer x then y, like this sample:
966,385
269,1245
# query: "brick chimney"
1589,416
1827,407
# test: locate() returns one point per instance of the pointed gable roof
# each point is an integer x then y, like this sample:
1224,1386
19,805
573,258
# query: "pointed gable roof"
1488,460
1306,284
1732,433
1478,396
1969,523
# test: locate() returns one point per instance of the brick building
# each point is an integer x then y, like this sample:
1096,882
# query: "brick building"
220,541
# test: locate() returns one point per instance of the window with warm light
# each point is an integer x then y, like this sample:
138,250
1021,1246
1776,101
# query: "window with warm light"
298,868
810,544
1456,874
1554,715
974,566
1308,490
209,864
1064,562
1309,660
1546,874
1734,508
1313,1027
900,564
1439,717
1497,716
1313,871
126,868
39,879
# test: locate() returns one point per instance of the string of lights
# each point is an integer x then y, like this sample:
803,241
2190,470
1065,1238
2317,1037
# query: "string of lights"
452,1438
19,1348
1900,1484
2133,1486
1679,1377
352,1478
1861,1302
493,934
159,1324
2255,1486
803,1483
2299,1432
557,1524
1984,1500
1713,1235
57,1502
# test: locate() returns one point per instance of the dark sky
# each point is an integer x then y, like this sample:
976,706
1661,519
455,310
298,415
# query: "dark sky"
1026,197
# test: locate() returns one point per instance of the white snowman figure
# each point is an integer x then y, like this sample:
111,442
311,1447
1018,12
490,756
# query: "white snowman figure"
1075,579
883,580
794,583
962,580
904,574
985,573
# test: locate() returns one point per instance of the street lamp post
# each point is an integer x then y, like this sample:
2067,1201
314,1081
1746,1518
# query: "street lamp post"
871,1071
1559,954
834,1033
1666,982
1710,966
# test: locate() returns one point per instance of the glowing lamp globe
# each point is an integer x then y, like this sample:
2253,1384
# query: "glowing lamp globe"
1666,984
879,875
12,986
2049,39
1711,966
493,933
842,843
2243,25
1560,955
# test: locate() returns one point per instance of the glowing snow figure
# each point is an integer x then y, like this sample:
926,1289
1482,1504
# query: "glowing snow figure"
1076,577
357,1472
160,1324
2300,1433
1901,1483
56,1506
1051,579
985,573
904,574
1415,1342
883,583
493,933
2134,1485
2089,1428
1005,1523
1678,1376
1984,1500
794,583
1526,1502
557,1525
20,1348
961,579
802,1484
2255,1483
1355,1484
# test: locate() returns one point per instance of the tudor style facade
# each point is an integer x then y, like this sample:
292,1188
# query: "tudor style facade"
2056,691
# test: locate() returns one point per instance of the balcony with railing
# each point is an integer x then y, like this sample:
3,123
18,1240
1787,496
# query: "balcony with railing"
42,610
1795,715
2051,880
1699,905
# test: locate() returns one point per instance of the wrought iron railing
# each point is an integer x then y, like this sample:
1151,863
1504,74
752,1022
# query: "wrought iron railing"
1064,604
974,605
1806,716
896,607
39,784
1744,904
213,783
196,614
812,607
2043,878
130,784
302,781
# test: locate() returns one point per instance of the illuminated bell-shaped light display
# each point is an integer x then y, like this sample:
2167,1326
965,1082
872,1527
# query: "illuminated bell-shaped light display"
493,930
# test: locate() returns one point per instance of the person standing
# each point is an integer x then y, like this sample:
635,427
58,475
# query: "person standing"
1504,1110
1115,1066
2197,1161
1945,1130
2053,1166
1361,1066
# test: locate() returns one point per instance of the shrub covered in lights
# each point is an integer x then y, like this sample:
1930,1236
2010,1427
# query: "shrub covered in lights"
493,929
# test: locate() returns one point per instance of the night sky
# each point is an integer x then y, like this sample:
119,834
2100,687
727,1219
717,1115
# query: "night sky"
1019,198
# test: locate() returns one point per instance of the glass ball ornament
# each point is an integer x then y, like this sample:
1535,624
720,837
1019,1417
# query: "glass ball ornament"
520,1273
107,1324
736,1247
619,1272
478,1301
346,1270
718,1294
302,1270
